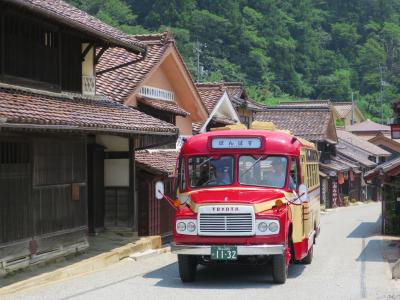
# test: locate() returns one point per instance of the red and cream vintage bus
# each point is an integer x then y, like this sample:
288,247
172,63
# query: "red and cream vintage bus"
246,195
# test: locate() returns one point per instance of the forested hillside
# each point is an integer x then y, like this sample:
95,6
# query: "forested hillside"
282,49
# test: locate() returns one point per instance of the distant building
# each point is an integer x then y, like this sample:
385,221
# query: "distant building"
387,177
388,144
368,129
345,113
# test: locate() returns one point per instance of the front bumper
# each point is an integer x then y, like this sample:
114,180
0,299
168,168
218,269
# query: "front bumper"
242,250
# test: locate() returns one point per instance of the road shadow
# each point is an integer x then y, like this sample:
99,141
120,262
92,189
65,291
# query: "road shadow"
371,252
222,276
366,229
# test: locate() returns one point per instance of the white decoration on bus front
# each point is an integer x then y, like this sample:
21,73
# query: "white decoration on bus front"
236,143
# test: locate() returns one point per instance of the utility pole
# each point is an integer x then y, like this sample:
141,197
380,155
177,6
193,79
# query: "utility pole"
352,108
197,51
381,91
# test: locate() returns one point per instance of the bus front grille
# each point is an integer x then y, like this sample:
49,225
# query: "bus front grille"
226,224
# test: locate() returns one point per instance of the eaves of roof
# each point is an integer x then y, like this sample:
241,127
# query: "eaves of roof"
71,16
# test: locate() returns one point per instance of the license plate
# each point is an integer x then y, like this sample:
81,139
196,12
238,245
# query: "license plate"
223,253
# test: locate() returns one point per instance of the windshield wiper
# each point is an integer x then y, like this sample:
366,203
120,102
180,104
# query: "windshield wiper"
252,166
206,161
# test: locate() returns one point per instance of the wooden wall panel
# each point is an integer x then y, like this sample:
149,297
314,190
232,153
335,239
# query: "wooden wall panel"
15,188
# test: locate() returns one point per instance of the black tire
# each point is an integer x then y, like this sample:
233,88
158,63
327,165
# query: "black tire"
187,267
279,269
308,259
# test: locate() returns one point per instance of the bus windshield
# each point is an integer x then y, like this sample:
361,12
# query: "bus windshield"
268,171
210,171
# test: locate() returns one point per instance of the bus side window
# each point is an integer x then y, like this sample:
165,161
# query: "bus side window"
181,178
294,174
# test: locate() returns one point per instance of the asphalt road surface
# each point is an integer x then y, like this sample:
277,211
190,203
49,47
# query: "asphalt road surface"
347,264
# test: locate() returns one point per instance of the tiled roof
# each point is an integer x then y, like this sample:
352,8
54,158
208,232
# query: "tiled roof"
255,106
345,160
342,108
210,94
164,105
360,143
223,120
196,127
25,107
345,151
71,16
368,125
121,83
308,104
162,161
310,124
335,165
384,168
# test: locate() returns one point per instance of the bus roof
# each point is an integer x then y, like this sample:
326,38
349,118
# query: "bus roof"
274,142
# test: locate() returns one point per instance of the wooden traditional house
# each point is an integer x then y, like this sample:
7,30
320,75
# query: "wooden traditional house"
245,107
362,147
55,129
347,113
387,143
159,85
368,129
358,189
387,177
361,150
219,105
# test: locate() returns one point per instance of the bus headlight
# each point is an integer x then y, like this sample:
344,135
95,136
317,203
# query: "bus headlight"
186,226
267,227
180,226
191,226
273,227
262,226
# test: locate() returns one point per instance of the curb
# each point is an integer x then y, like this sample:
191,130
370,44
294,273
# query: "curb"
86,266
149,253
327,210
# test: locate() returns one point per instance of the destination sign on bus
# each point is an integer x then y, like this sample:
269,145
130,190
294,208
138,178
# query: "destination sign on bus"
236,143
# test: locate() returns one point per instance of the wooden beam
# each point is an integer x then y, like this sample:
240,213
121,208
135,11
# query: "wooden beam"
86,51
98,55
117,155
120,66
133,201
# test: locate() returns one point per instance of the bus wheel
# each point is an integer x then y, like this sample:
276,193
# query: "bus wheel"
308,259
279,268
187,267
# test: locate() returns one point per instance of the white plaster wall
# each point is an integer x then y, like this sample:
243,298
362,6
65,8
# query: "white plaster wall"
116,172
113,143
87,64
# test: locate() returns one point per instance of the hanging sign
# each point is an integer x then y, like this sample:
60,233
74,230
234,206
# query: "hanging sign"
334,194
395,131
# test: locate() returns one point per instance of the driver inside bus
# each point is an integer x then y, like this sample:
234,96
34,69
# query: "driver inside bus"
221,175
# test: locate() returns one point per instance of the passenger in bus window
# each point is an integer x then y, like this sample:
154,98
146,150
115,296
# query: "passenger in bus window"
293,175
277,178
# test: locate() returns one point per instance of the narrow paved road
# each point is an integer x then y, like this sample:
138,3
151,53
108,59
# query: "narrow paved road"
347,265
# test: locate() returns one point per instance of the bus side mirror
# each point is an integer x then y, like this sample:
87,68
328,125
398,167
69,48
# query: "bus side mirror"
159,190
303,193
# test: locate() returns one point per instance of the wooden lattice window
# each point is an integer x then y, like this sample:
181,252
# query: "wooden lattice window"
14,153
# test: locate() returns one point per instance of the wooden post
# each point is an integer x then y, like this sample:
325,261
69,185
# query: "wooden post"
133,205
